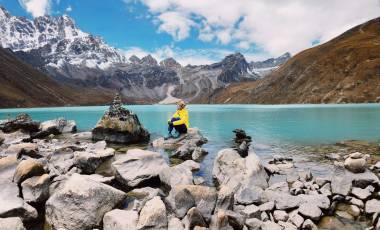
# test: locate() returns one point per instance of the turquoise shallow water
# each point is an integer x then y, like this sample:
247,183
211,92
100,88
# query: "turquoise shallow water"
274,128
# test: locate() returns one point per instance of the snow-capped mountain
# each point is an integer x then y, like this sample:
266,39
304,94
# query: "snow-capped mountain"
58,41
264,68
57,47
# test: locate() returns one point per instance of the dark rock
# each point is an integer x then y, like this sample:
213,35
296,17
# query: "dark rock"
22,122
194,218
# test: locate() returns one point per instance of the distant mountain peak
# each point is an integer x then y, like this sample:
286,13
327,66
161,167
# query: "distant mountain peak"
170,63
134,59
149,60
4,13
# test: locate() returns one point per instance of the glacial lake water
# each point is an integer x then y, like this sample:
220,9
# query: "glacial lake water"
275,129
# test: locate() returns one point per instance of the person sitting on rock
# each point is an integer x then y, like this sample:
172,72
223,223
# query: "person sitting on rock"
179,121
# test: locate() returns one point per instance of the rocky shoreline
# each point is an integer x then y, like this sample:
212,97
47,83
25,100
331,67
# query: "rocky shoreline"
49,179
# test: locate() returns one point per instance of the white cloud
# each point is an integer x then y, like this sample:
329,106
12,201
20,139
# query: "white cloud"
175,24
69,9
36,7
275,26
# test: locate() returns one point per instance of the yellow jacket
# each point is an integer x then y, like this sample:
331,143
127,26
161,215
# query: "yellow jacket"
183,114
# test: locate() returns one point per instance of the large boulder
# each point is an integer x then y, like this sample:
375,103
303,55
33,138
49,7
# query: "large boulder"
26,149
120,220
138,166
81,203
90,159
190,140
356,163
232,170
139,196
153,215
179,174
22,122
119,125
182,197
12,205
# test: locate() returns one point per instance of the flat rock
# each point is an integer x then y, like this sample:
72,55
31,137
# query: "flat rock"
361,193
81,203
139,196
12,205
269,225
153,215
11,223
310,210
55,127
26,149
249,195
280,215
193,135
175,224
253,223
138,166
120,220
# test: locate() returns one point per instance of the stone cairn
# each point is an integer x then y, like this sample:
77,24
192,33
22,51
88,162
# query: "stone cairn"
242,142
119,125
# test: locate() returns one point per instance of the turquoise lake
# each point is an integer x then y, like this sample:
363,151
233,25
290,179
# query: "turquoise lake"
274,128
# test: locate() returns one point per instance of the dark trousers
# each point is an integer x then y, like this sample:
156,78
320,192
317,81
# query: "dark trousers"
179,128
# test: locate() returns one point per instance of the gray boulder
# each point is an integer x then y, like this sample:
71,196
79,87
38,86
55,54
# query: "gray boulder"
355,165
179,174
55,127
194,218
310,210
175,224
36,189
81,203
120,220
247,194
153,215
225,198
138,166
232,170
139,196
372,206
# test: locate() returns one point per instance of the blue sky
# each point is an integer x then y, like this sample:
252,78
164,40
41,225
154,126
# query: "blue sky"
200,31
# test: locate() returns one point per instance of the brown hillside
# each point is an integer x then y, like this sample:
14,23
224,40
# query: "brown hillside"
343,70
23,86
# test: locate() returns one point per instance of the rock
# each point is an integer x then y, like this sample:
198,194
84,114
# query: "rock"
55,127
139,196
364,179
280,215
198,180
318,200
353,210
138,166
310,210
355,201
12,205
333,156
249,195
198,154
27,169
264,216
321,181
24,149
119,125
225,198
309,225
120,219
175,224
183,201
344,214
341,183
296,219
204,197
326,189
190,147
36,189
356,155
153,215
179,174
268,206
253,223
269,225
232,170
355,165
88,161
22,122
227,219
305,175
252,211
99,178
87,199
194,218
372,206
193,138
15,138
8,166
82,136
361,193
11,223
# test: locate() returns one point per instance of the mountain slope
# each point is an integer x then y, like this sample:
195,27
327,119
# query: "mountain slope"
23,86
343,70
